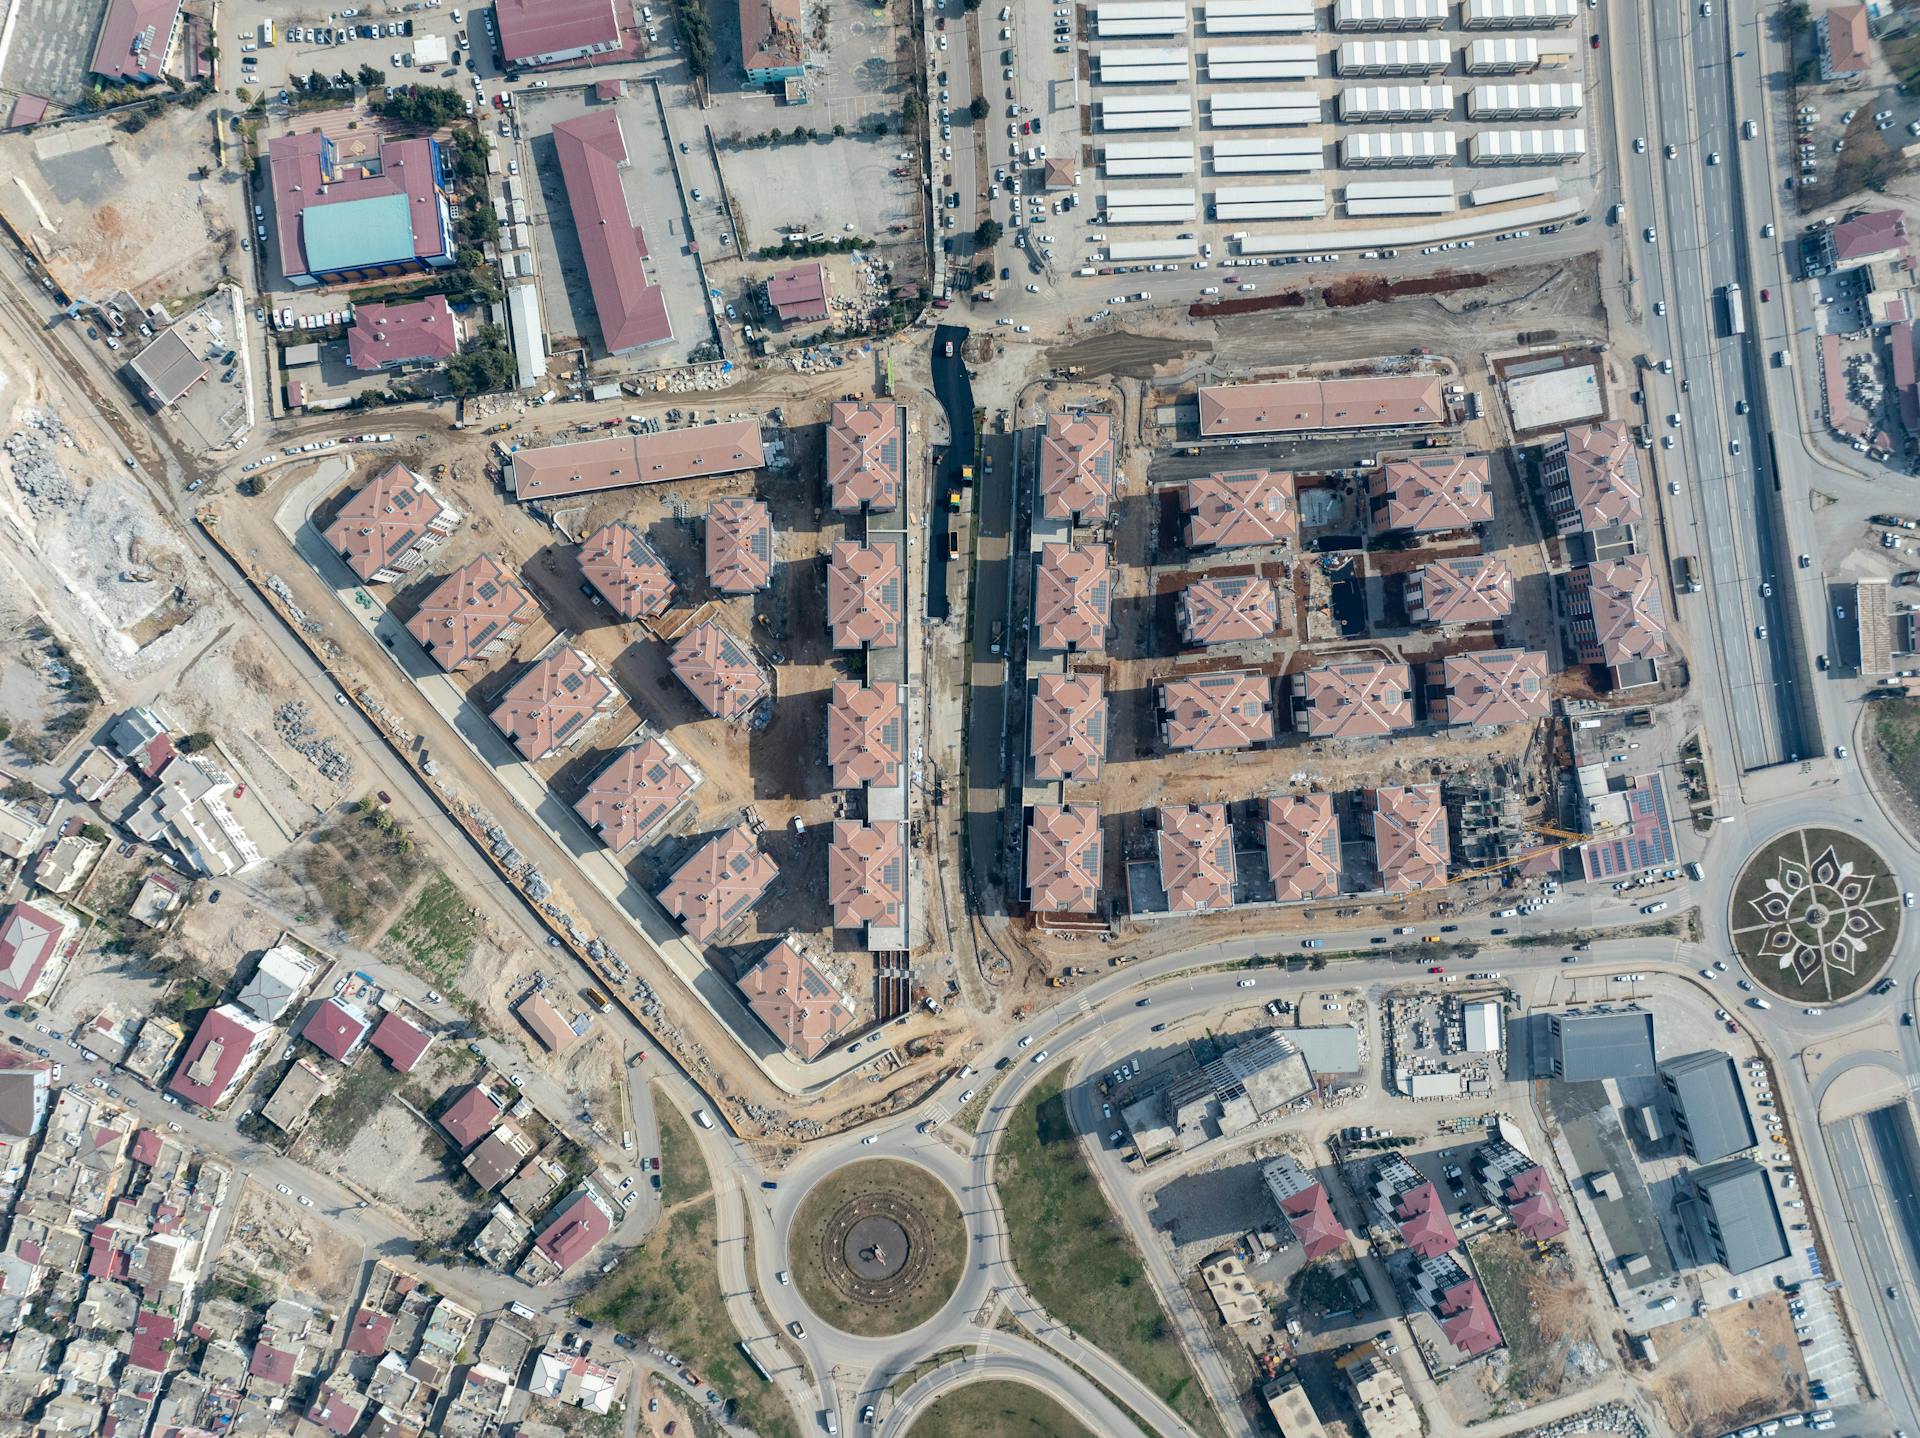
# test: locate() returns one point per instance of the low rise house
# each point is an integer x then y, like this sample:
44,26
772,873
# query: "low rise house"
224,1050
410,335
496,1156
867,873
470,1117
1844,43
1073,598
1228,609
472,615
402,1042
1069,727
1063,858
1466,589
720,671
281,976
1077,468
865,726
800,294
1363,699
1493,686
1591,475
577,1227
635,792
866,455
739,545
544,1022
626,571
1303,847
36,940
864,595
1234,509
386,529
798,999
336,1029
1432,494
1411,848
554,704
713,890
1230,709
1196,857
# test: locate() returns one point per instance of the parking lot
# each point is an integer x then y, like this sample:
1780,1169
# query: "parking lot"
299,49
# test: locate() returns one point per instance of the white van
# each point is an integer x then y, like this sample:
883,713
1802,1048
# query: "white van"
703,1118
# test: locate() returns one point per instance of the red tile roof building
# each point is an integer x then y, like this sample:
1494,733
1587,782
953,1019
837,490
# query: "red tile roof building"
136,37
1073,597
719,671
551,32
626,571
1458,1304
398,218
338,1413
1364,699
1433,494
864,595
798,1000
389,336
866,454
1591,475
1196,857
635,792
866,873
1410,844
471,1117
1069,730
1302,1200
1063,858
1239,507
335,1029
472,615
1617,614
1228,609
800,293
739,545
1845,43
1303,847
1076,468
403,1042
544,1022
368,1335
715,888
1861,239
1409,1198
223,1049
555,471
577,1228
33,946
1375,402
1522,1189
1466,589
864,728
1493,686
389,527
152,1341
553,705
1232,709
771,43
592,152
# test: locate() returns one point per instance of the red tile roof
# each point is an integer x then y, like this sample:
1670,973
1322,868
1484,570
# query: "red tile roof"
402,1041
866,873
1063,858
531,28
334,1029
1529,1198
1231,609
1376,401
864,595
1601,472
1196,857
739,545
1433,493
1076,468
800,292
1423,1221
1494,686
470,1116
475,607
394,518
146,1147
1240,507
557,470
1069,731
634,792
1875,233
575,1232
152,1333
552,704
1310,1216
368,1336
30,937
718,884
544,1021
1849,41
335,1412
1629,620
220,1049
1349,701
797,1000
1467,589
297,172
1230,709
276,1365
719,671
1467,1320
864,732
770,35
626,571
133,41
866,454
592,151
1303,847
385,334
1073,597
1410,837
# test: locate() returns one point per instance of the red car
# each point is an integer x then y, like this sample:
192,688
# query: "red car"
1765,295
1436,968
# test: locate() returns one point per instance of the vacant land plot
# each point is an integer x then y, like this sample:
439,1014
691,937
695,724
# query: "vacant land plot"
667,1292
812,1253
1542,1313
282,1243
683,1174
436,933
368,1087
1077,1259
405,1168
996,1410
359,867
1737,1365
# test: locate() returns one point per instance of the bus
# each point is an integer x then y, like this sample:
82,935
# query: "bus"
266,34
1736,311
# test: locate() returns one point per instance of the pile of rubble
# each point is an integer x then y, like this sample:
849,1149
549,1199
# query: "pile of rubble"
278,588
1613,1418
37,471
293,722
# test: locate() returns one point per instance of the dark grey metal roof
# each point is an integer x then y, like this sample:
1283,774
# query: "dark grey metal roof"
1603,1044
1705,1088
1737,1196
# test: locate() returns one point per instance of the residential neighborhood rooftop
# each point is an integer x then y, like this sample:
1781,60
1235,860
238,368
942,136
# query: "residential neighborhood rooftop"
1069,726
1073,597
739,535
866,454
1372,402
1076,468
1231,509
715,888
1196,857
1063,858
558,470
1410,842
720,671
1362,699
1229,709
797,999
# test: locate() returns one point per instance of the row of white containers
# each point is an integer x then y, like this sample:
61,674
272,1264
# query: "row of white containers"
1135,18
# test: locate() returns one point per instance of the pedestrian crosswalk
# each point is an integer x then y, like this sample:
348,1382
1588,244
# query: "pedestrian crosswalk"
938,1113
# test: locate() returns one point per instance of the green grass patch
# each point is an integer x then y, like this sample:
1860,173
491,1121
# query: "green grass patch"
1501,1260
1079,1261
917,1187
360,867
436,933
994,1409
368,1087
667,1291
683,1174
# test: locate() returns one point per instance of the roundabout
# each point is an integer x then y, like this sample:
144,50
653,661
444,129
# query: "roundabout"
1815,916
876,1247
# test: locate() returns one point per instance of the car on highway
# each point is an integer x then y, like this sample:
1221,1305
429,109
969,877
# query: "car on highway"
1639,146
1245,984
1740,406
305,1202
1733,446
1672,151
1659,307
1765,295
1040,1057
871,1138
1713,157
798,1330
1436,968
281,1188
1026,1040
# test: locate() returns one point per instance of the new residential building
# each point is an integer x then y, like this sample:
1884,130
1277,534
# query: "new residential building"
1411,850
387,529
1433,494
1231,709
1228,609
864,729
626,571
866,455
1303,847
1076,468
1618,618
1492,686
473,614
1063,858
554,704
1362,699
1465,589
867,873
864,595
1069,729
1233,509
1073,597
1591,475
635,792
720,671
798,999
1196,857
1333,405
712,891
739,545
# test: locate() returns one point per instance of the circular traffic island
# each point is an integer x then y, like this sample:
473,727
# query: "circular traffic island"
876,1247
1815,916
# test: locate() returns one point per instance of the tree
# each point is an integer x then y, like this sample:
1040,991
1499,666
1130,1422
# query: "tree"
486,366
913,110
193,743
978,109
243,95
371,77
987,234
19,791
94,832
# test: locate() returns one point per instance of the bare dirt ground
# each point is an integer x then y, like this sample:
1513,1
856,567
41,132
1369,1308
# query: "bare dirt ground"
594,1071
1736,1365
275,1237
404,1168
223,938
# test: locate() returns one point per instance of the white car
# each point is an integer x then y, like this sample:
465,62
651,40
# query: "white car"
1040,1057
281,1188
1026,1040
783,1277
1245,984
871,1138
1812,1012
305,1202
1660,307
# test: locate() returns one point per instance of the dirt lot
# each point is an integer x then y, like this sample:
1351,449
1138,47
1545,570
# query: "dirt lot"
1552,1343
274,1237
404,1168
110,211
1735,1366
